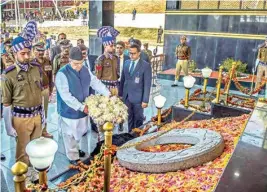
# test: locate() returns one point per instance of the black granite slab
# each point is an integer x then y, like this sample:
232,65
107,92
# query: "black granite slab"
247,169
212,51
221,111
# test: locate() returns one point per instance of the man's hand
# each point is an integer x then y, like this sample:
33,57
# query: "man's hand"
144,105
86,109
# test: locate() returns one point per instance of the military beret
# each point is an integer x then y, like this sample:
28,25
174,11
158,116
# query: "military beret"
40,46
64,43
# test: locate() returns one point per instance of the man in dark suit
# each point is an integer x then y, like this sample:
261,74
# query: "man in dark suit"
135,86
56,50
143,55
120,47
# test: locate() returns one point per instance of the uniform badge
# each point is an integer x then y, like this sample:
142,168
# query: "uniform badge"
20,77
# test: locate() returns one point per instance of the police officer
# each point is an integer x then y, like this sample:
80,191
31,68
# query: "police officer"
62,58
22,99
107,65
262,66
147,51
183,53
46,67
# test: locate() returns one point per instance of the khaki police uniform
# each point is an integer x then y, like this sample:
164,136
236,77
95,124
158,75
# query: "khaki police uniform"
183,53
107,70
60,61
47,80
148,52
262,67
22,89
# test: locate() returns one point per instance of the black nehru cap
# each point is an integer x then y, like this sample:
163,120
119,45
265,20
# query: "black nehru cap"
76,54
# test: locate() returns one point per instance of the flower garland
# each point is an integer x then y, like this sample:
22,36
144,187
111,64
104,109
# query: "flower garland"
245,102
246,90
164,115
196,107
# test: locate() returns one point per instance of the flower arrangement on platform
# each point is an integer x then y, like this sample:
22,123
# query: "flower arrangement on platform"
201,178
106,109
166,147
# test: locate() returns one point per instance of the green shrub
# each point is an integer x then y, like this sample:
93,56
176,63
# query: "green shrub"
241,67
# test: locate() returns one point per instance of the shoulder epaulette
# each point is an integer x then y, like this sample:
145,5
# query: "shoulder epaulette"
34,63
101,57
116,56
10,68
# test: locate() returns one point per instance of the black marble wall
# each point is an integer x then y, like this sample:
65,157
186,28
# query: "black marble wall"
101,13
244,24
209,50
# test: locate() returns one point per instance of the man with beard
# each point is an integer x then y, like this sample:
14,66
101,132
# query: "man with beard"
46,67
73,82
107,65
62,58
22,97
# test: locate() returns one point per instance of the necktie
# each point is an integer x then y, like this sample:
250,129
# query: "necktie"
86,64
131,68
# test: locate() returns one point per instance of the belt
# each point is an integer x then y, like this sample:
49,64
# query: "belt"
110,83
24,111
263,63
183,58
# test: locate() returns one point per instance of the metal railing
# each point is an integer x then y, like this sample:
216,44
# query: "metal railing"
157,66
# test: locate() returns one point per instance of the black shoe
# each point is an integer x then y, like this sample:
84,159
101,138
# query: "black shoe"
3,157
74,162
174,85
81,153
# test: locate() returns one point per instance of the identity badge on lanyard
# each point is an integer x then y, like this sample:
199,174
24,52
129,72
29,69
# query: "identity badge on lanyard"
137,78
